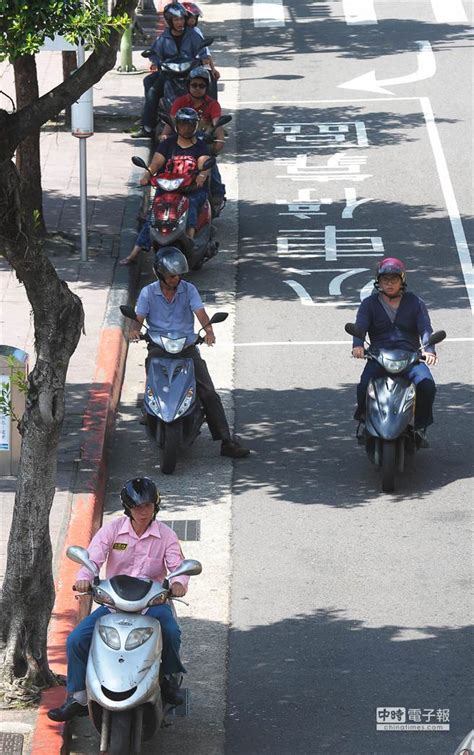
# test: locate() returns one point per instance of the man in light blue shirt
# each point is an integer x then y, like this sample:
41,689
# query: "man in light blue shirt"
170,304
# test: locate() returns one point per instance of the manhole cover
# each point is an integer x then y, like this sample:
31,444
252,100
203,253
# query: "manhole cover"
11,744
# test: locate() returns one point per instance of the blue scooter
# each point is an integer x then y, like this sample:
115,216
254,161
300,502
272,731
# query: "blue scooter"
390,407
173,411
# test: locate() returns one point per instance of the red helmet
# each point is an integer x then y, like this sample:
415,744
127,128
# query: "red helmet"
391,266
192,9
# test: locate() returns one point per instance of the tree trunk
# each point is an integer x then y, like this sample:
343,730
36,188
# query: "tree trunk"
28,152
28,593
69,65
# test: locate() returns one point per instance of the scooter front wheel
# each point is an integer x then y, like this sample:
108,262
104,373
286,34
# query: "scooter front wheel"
120,733
389,457
170,447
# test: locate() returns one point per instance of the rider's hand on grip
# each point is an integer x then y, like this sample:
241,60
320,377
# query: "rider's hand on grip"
358,352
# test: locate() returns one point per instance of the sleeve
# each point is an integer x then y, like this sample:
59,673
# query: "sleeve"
164,148
143,305
195,301
362,321
215,110
198,36
174,557
179,102
156,56
98,549
423,324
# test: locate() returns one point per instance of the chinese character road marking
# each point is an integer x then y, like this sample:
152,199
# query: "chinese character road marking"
300,135
330,243
338,167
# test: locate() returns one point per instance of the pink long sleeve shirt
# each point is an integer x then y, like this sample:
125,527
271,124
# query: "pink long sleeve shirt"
153,555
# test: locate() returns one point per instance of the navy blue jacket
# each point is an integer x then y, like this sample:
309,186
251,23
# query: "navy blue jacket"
164,47
412,324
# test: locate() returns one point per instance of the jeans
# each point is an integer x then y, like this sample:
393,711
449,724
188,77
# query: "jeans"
154,85
418,374
79,641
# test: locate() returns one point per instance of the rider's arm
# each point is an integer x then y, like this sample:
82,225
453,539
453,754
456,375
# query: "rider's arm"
363,320
157,162
173,558
203,318
156,57
99,548
201,178
134,331
424,327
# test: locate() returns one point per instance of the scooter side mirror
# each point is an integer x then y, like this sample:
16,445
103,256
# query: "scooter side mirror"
353,330
147,53
223,120
165,118
436,337
139,162
210,162
128,311
189,566
219,317
81,556
206,42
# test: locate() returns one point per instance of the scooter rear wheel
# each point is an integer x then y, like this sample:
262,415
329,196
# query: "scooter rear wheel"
120,733
389,457
170,447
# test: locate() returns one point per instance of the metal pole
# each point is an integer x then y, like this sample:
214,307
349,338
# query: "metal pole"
83,196
81,57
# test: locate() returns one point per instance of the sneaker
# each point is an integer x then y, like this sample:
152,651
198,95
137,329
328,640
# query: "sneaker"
170,691
141,134
234,449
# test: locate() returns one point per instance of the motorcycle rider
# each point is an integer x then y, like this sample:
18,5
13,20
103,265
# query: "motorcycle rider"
171,304
138,545
209,111
192,21
176,39
395,318
186,152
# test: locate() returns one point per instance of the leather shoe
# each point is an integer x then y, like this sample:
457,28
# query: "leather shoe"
68,710
170,691
141,134
234,449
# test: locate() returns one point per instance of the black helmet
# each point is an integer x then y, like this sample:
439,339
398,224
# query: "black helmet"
187,115
170,261
138,491
174,10
199,73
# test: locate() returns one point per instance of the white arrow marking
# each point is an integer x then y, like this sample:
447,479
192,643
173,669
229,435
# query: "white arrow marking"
359,11
335,285
449,11
368,81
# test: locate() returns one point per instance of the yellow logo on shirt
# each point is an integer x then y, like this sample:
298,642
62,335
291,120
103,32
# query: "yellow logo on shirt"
119,546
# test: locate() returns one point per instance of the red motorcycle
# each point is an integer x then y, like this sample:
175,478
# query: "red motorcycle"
170,212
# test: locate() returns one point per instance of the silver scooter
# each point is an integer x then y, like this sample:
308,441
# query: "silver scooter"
123,668
173,411
390,407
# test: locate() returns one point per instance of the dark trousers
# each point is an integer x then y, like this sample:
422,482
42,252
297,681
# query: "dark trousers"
418,374
210,399
154,85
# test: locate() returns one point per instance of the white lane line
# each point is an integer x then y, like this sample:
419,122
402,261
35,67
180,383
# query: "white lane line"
268,13
359,12
258,344
277,103
450,199
449,11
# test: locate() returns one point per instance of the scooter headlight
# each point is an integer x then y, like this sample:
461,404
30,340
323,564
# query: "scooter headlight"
110,636
100,596
169,184
186,402
395,365
173,345
138,637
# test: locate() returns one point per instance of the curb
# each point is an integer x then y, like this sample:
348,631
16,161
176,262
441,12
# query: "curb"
49,738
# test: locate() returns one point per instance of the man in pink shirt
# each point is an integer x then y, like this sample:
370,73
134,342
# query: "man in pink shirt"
139,546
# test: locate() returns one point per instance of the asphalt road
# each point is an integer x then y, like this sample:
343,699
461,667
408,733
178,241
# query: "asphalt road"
344,599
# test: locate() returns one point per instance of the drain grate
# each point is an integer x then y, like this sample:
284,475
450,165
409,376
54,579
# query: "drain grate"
186,529
12,744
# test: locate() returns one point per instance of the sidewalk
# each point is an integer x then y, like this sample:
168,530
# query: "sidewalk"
96,368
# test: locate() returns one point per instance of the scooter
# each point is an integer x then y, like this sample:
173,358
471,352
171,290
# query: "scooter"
177,70
390,408
173,411
170,211
209,137
123,667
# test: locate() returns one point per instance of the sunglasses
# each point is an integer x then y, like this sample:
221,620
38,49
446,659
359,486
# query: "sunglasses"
197,86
